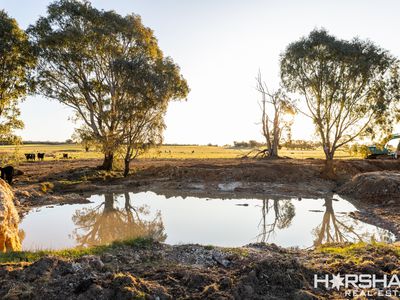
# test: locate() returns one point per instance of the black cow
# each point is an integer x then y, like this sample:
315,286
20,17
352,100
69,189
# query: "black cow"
7,174
40,156
30,156
65,155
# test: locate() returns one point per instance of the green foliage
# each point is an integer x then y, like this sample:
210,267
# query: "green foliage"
46,187
354,250
363,150
353,149
249,144
17,60
301,145
344,84
108,68
85,137
359,150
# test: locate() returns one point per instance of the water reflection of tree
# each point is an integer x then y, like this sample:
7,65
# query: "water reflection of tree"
282,214
337,228
105,223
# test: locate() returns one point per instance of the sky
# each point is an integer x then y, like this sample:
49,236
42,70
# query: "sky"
220,45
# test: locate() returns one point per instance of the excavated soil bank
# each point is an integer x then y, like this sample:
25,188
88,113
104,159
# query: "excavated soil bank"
377,187
159,271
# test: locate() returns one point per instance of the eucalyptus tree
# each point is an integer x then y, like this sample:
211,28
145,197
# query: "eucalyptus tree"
17,59
84,137
82,51
147,96
344,85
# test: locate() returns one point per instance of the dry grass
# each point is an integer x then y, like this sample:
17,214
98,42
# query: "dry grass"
54,152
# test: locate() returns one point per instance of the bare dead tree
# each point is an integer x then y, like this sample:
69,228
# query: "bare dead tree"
274,106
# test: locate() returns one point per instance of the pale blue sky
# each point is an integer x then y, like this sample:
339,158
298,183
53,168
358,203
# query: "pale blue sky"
220,45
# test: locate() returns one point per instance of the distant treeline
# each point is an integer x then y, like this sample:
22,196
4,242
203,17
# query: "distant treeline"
69,141
171,145
191,145
249,144
292,144
46,142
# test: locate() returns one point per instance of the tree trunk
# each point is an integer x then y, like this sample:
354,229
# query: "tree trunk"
126,168
274,152
108,161
275,142
329,171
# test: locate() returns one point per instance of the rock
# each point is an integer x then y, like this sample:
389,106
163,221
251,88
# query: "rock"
222,261
230,186
196,186
218,257
225,282
84,285
95,292
40,268
9,220
126,286
25,194
93,261
20,291
247,292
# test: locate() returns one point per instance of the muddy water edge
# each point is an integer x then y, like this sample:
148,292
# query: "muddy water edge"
190,271
222,179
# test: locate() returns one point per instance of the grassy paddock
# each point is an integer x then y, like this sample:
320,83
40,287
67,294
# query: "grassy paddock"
55,152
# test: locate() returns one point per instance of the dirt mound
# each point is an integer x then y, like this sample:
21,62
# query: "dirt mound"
257,271
236,170
373,186
282,278
9,219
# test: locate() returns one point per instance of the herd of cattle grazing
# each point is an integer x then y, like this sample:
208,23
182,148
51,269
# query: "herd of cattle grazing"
40,156
7,173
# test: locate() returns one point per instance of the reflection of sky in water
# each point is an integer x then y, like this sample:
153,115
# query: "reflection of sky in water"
215,221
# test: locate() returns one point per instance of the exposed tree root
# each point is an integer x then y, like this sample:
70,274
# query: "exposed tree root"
258,153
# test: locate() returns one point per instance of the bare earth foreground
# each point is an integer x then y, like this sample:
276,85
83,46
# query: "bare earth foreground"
147,270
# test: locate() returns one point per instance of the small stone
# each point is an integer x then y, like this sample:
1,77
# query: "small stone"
248,291
225,282
221,260
97,264
107,258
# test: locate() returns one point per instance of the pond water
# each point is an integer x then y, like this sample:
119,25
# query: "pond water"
175,220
